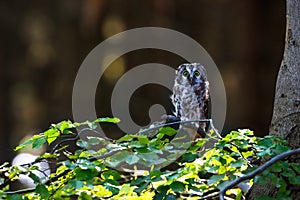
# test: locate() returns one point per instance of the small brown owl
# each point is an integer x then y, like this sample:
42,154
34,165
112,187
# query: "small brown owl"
191,95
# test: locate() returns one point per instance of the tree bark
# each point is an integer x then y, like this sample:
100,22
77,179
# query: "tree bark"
286,114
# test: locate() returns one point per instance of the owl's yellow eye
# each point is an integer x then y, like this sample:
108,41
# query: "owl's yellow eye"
196,73
186,73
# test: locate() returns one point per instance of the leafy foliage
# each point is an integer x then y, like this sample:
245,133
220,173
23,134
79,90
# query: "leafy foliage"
131,167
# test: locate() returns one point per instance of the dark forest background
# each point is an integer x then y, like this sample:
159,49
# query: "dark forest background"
44,42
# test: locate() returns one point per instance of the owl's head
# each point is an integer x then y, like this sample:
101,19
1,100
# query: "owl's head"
193,73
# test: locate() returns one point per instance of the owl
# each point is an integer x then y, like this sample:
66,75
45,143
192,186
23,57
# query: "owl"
191,95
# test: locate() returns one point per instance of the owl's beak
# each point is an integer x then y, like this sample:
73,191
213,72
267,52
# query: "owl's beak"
192,80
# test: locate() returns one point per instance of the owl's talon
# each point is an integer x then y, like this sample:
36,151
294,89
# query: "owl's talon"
171,119
201,132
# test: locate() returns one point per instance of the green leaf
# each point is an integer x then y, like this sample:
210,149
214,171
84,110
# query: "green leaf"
136,144
111,174
111,188
160,135
141,187
107,119
264,197
2,181
215,178
64,126
34,177
125,189
15,197
237,163
21,146
85,174
76,184
223,184
85,196
143,140
275,167
132,159
295,180
139,180
279,149
42,190
127,137
94,141
149,157
51,135
48,155
168,131
82,144
39,142
260,180
189,157
170,197
296,167
177,186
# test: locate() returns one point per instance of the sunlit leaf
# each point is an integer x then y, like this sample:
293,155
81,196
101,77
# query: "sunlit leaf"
110,120
38,142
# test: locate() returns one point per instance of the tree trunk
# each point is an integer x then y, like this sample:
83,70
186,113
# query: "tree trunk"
286,114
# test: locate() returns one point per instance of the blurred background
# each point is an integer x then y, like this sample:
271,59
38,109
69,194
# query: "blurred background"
43,44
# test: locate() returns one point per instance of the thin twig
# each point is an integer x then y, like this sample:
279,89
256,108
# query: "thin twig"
170,123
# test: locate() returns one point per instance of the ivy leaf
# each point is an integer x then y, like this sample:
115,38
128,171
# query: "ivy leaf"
141,187
170,197
177,186
223,184
125,189
34,177
82,144
260,180
37,143
107,119
127,137
295,180
21,146
296,167
94,141
76,184
189,157
85,174
168,131
111,174
15,197
111,187
51,135
143,140
139,180
85,196
132,159
215,178
64,127
42,190
238,163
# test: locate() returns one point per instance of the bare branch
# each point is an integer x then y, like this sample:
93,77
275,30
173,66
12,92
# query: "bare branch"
257,171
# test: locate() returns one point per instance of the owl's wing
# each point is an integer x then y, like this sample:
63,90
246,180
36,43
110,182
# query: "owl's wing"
176,103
